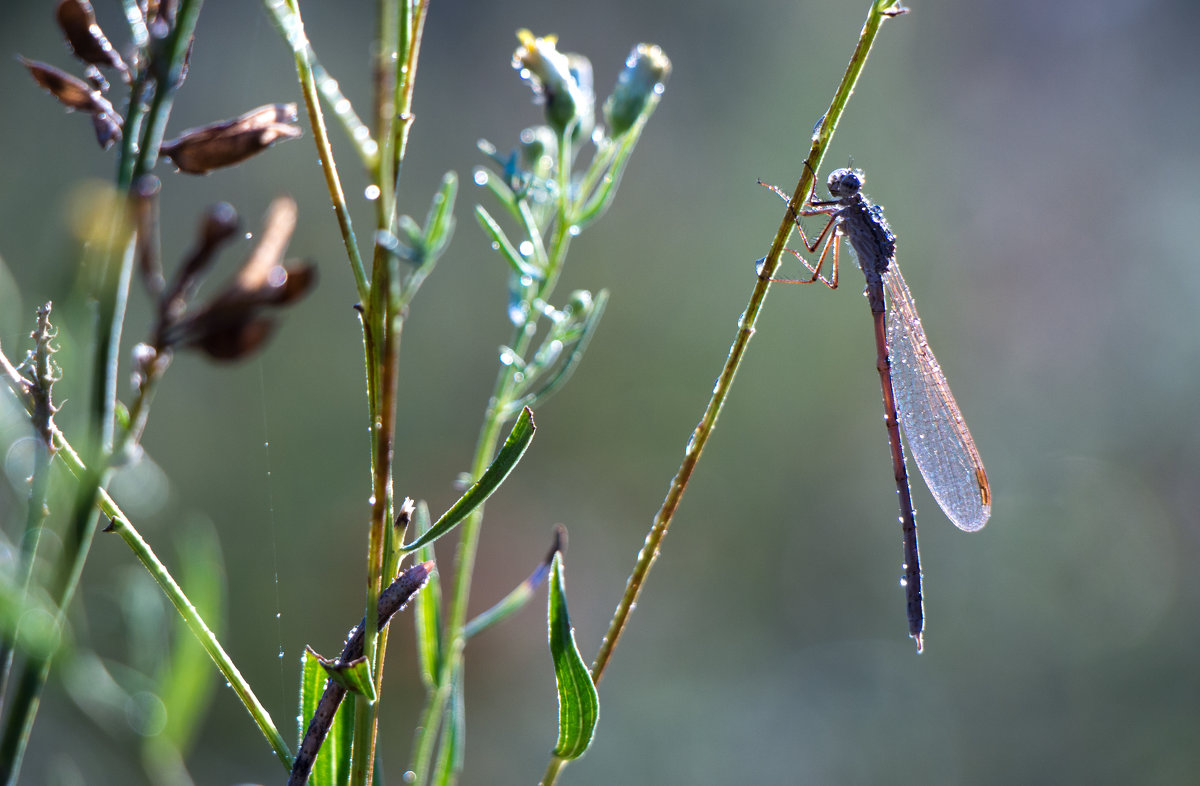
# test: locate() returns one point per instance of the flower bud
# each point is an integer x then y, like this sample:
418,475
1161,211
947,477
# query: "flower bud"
639,85
561,82
198,151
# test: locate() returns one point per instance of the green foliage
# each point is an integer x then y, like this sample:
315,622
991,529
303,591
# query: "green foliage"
332,767
504,463
578,703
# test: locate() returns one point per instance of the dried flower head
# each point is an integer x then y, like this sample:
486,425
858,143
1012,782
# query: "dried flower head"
198,151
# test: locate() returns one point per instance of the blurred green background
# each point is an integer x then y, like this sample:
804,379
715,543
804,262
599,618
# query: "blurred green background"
1034,160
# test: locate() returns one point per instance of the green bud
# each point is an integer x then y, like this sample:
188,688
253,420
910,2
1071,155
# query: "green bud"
638,87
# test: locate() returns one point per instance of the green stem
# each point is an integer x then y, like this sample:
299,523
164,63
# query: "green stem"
503,394
199,629
301,51
880,10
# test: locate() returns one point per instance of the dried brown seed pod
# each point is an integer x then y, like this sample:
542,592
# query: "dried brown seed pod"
78,24
231,325
72,92
198,151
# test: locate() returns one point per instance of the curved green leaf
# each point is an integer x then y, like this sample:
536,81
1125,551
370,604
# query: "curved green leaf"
578,703
514,447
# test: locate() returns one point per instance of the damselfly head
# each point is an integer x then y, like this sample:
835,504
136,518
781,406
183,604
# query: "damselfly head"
845,182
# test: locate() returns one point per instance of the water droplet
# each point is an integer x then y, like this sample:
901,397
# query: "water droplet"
574,230
278,615
371,192
507,358
659,87
409,777
526,248
342,106
526,281
249,236
481,177
370,147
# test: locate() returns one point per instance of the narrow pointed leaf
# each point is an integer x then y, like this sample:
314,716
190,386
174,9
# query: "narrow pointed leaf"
439,223
454,730
496,232
500,189
187,684
511,452
602,197
333,762
569,363
578,703
428,611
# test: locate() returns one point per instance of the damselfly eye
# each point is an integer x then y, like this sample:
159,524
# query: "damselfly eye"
845,182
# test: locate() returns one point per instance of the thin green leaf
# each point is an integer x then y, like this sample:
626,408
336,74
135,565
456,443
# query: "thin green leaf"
534,232
568,364
454,734
578,703
332,766
428,612
439,223
515,260
508,456
500,189
187,683
520,595
602,197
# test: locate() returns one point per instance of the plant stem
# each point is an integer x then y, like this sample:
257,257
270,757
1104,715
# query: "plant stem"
485,448
301,51
112,295
880,10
